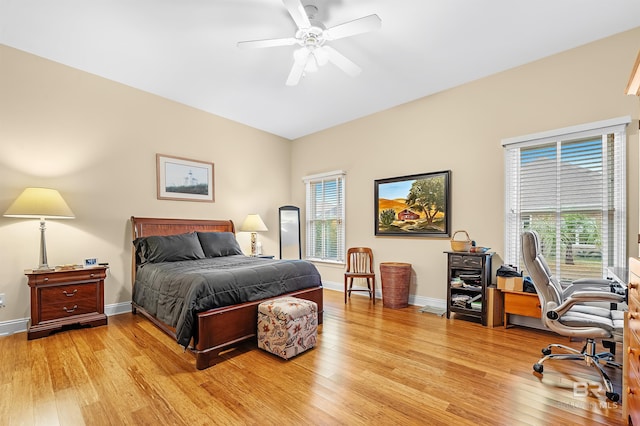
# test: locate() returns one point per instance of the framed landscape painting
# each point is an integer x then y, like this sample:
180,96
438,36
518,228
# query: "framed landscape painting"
184,179
415,205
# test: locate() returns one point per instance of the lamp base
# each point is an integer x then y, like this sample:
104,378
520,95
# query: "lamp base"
254,238
44,265
39,270
43,268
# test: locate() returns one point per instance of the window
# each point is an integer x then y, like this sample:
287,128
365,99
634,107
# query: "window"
569,186
325,217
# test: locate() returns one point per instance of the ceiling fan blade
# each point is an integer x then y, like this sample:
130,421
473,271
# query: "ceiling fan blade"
357,26
296,10
256,44
301,56
342,62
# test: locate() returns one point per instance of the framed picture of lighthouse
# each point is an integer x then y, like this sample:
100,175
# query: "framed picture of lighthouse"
183,179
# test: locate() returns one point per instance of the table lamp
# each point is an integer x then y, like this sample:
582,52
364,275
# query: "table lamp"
40,203
253,223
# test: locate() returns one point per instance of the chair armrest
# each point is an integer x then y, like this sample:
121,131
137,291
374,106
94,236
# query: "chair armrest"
584,296
592,281
587,284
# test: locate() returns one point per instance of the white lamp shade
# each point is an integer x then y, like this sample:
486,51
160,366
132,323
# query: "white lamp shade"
253,223
40,203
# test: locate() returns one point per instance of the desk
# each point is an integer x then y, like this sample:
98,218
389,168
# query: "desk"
521,303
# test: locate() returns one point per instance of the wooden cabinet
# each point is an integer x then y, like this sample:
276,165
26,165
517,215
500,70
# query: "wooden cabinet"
631,386
521,303
63,298
468,275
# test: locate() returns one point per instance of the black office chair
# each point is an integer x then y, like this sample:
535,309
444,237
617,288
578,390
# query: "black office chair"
565,313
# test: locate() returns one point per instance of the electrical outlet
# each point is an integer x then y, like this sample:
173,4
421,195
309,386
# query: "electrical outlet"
2,300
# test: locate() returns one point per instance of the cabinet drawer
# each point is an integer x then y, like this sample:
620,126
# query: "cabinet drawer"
633,303
462,261
68,293
70,308
68,276
633,292
522,304
634,332
633,396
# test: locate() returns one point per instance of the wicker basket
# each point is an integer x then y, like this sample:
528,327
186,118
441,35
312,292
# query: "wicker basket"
395,277
460,245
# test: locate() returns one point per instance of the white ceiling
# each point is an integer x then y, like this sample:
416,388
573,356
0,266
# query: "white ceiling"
185,50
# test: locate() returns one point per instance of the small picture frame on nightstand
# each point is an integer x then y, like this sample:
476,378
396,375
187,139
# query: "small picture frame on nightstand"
90,262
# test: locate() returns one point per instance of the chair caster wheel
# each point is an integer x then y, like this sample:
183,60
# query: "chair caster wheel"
546,351
613,397
538,368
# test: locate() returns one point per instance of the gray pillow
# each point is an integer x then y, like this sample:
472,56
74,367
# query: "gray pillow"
170,248
217,244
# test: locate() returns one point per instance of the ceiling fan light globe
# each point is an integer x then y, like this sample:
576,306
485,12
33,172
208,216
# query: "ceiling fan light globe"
311,65
321,55
299,54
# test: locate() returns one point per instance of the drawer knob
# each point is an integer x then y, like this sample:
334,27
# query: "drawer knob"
92,275
73,293
70,310
46,279
633,286
633,315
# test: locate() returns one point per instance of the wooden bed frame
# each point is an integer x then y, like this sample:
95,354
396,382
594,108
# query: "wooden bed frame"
218,329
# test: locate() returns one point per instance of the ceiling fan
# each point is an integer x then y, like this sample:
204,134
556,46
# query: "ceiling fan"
311,36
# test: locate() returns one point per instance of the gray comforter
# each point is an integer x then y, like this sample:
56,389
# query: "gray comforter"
175,292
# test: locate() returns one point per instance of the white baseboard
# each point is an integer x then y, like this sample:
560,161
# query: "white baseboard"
13,326
413,299
117,308
20,325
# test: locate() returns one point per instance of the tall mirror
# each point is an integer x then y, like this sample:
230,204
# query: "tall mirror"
290,232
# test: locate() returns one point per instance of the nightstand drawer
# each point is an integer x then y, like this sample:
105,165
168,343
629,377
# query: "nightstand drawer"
70,308
68,293
67,276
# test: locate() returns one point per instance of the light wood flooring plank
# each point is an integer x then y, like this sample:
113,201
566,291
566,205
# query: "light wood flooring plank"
372,365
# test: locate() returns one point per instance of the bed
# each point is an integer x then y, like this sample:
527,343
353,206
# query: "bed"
190,279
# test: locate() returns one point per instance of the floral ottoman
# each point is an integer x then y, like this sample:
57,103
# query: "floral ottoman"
287,326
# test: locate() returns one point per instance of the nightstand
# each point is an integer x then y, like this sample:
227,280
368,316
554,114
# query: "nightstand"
65,297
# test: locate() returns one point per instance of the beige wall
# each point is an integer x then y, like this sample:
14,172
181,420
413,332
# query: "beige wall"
95,141
461,130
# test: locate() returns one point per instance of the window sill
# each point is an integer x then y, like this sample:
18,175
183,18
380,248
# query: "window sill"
327,262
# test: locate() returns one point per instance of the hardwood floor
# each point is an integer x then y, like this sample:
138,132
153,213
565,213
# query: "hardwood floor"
372,365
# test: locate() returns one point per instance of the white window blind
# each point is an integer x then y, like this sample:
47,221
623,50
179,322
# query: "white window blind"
569,185
325,217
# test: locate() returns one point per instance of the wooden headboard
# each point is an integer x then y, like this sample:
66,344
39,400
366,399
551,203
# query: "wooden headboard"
148,226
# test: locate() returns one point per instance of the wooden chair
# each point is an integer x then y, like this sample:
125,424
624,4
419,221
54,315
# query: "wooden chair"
360,265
